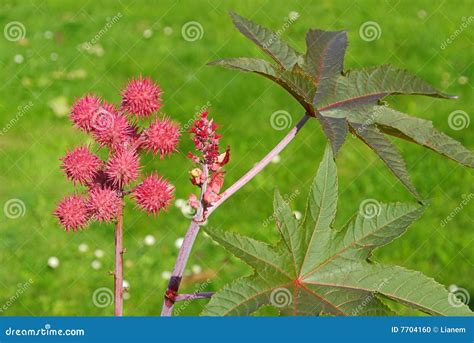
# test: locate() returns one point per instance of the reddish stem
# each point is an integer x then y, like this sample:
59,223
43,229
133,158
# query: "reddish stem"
118,274
171,295
184,251
199,295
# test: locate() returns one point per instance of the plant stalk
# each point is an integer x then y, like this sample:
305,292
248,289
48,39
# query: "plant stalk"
171,294
118,274
201,295
184,251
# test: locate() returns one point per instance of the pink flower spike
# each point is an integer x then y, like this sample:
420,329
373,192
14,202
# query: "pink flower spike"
80,165
104,204
72,213
82,111
110,128
205,139
122,168
153,194
161,137
141,97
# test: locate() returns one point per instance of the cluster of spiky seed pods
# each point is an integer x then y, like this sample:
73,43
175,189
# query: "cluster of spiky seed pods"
105,183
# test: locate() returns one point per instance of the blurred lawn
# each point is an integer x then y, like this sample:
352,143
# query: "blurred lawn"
49,67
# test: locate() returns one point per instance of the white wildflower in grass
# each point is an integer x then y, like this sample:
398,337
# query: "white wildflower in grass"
53,262
149,240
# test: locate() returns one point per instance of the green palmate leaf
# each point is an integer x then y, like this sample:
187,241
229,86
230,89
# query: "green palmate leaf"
389,154
405,286
316,270
368,85
297,84
423,133
325,52
346,100
268,41
335,130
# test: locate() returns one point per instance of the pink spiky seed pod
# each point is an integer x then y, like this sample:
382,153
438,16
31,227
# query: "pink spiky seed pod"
104,204
82,111
80,165
161,137
153,194
110,128
141,97
122,167
72,213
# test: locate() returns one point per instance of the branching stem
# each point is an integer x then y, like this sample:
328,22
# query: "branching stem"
192,296
171,295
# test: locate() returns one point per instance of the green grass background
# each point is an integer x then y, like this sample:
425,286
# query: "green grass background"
54,70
